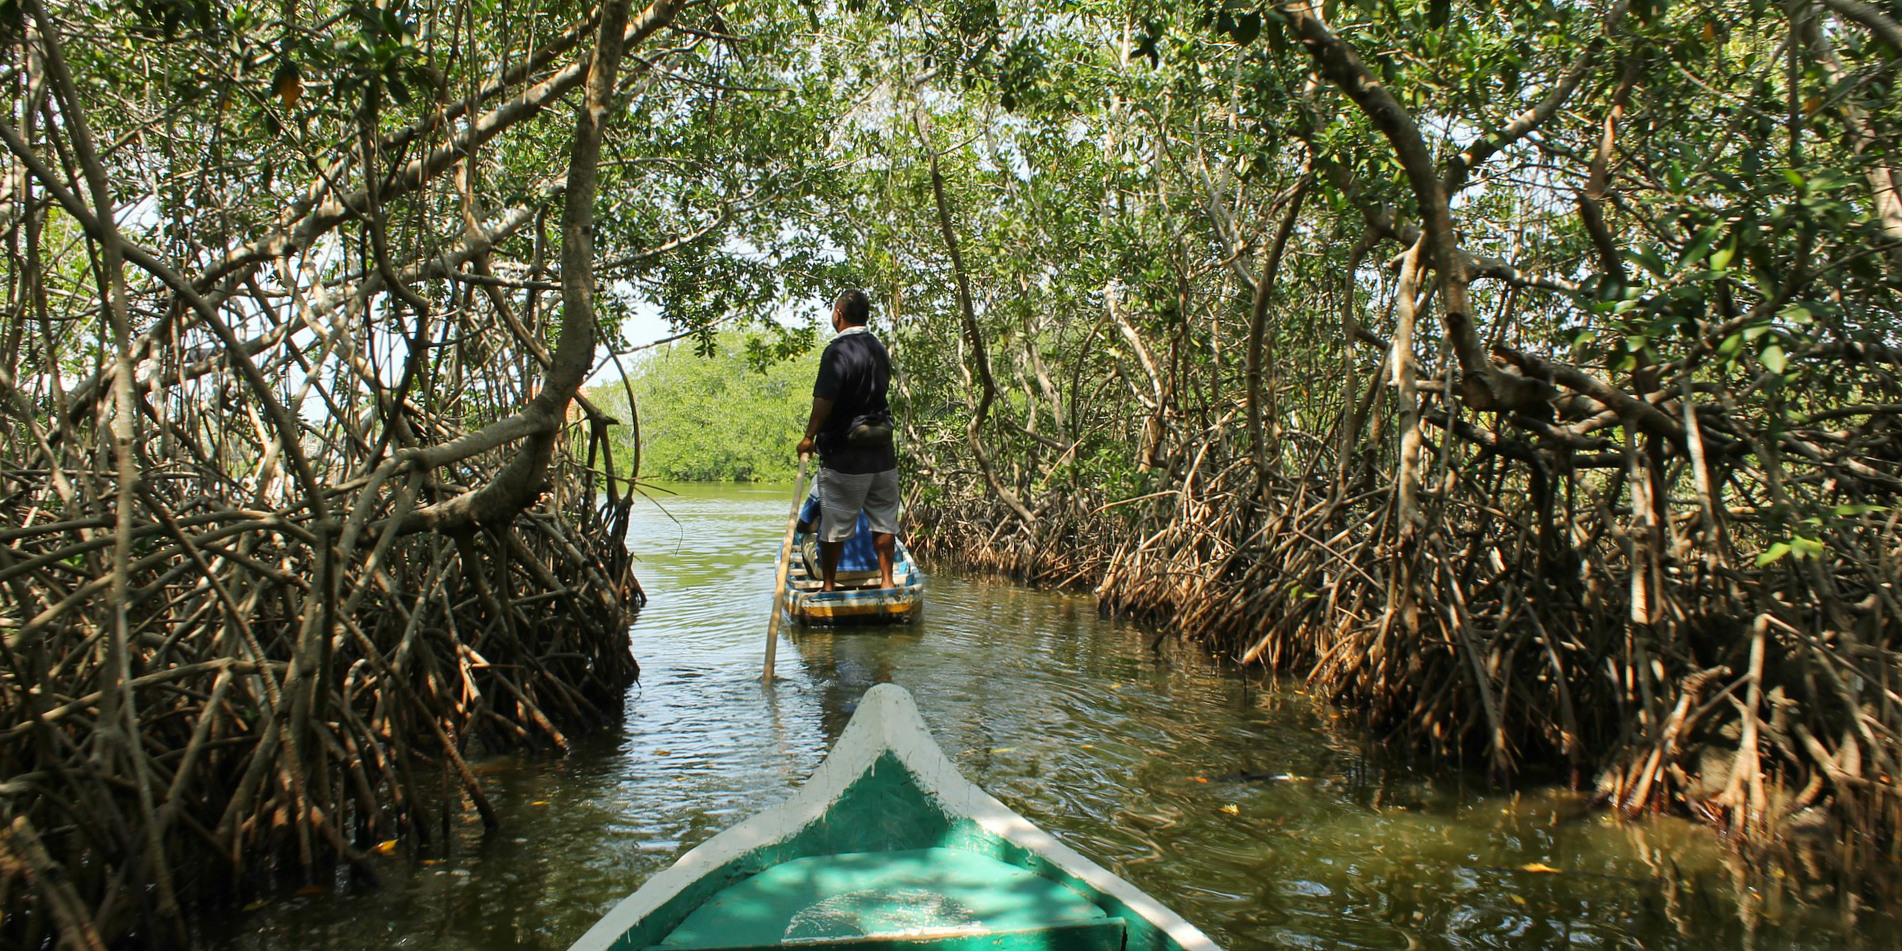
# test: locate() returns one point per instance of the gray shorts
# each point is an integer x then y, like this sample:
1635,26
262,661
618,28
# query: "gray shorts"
842,495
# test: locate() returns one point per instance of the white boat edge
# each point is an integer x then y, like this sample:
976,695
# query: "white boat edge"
886,720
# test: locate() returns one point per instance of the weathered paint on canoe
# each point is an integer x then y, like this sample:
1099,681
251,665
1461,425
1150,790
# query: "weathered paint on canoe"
855,605
886,787
937,892
1101,935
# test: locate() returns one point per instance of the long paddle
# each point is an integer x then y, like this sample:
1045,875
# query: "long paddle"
785,570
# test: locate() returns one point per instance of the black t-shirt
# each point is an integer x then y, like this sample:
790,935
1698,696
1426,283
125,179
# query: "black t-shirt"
854,373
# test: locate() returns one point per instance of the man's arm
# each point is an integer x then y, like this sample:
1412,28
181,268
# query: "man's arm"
821,411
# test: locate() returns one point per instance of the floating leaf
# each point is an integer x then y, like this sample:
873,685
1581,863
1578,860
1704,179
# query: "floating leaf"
1540,868
385,847
1232,809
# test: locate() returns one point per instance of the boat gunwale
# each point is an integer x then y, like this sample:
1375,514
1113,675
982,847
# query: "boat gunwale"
886,722
859,604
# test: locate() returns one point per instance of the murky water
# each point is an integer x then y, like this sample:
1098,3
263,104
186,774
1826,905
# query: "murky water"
1235,801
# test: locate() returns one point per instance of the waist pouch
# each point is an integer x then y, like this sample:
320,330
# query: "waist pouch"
869,430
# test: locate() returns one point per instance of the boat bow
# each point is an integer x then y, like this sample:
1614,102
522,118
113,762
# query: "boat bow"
886,787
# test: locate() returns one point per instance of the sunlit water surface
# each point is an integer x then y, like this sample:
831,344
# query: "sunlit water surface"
1235,801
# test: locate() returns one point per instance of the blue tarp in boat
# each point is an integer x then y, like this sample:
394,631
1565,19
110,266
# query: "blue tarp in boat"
859,555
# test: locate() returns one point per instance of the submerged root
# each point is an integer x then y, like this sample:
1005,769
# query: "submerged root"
267,727
1760,699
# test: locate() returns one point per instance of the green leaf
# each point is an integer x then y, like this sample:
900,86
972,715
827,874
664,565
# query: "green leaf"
1649,259
1720,258
1773,358
1862,509
1706,238
1772,554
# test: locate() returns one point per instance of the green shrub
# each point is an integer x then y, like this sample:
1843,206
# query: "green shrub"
728,417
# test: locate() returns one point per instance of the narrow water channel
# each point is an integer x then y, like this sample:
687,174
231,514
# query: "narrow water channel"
1236,801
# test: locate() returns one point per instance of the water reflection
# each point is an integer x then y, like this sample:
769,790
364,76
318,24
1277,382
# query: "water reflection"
840,666
1242,804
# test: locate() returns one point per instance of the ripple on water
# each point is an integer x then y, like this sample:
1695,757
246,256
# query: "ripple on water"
1230,800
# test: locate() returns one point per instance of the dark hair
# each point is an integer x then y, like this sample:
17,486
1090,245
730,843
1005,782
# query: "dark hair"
854,306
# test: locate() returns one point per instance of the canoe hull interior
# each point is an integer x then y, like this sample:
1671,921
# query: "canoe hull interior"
1091,936
885,788
944,894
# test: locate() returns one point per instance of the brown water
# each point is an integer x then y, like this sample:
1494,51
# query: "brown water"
1241,803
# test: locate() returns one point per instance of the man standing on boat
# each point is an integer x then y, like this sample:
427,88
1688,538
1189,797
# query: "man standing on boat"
851,426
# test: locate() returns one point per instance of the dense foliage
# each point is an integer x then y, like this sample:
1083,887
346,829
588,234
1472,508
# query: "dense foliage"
1523,374
733,415
296,482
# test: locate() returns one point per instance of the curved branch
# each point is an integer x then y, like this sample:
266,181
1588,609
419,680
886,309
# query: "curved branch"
1258,324
520,481
1342,66
1525,122
101,228
1481,384
980,355
1869,18
320,219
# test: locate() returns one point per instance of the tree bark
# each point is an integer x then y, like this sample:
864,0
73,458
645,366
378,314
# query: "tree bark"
1482,386
1258,326
522,479
987,383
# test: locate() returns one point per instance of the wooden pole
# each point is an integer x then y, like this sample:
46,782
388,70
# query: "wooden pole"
785,569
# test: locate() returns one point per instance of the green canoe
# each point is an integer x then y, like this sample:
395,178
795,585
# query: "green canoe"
888,848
